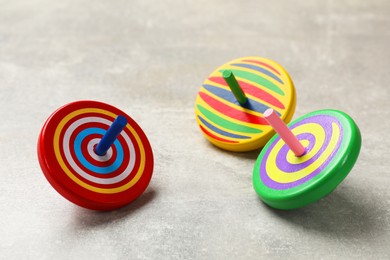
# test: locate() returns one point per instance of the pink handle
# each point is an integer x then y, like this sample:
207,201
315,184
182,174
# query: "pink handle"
281,128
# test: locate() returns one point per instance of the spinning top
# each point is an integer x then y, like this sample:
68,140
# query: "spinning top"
230,105
306,161
95,155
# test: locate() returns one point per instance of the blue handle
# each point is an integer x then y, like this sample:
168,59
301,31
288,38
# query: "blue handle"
110,136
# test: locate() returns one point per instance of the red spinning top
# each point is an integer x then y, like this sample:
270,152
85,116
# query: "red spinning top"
95,155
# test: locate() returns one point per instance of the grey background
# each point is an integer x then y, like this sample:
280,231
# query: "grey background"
149,59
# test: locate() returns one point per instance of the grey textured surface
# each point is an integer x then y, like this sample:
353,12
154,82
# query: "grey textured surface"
149,58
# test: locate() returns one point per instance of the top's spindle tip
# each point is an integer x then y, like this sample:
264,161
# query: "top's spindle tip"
121,121
268,112
285,133
227,74
234,87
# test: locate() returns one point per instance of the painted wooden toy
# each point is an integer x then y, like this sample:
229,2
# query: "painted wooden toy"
230,105
306,160
95,155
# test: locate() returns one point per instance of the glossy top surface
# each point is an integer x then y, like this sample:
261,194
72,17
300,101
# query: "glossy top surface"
235,127
67,157
332,142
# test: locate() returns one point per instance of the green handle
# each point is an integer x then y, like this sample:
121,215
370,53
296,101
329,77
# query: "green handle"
234,87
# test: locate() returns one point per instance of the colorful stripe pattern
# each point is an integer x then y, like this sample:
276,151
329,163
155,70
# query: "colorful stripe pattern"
224,121
71,139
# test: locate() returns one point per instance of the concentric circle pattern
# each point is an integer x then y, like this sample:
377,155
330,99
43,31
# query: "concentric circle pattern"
67,157
332,142
281,169
235,127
